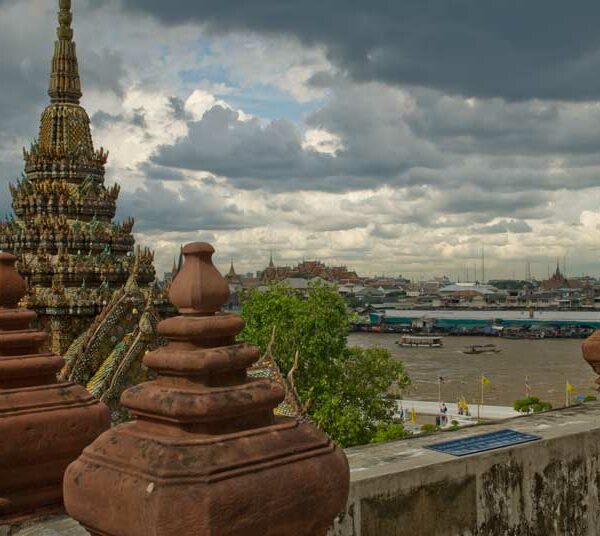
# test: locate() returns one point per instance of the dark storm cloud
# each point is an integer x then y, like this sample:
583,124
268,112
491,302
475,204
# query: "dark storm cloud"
399,138
495,127
471,201
385,232
378,146
23,86
158,173
101,70
158,208
224,145
103,119
513,49
177,107
10,171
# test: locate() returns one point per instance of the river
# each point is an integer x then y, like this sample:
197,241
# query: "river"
548,364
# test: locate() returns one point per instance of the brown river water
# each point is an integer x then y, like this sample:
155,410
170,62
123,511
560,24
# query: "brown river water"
548,364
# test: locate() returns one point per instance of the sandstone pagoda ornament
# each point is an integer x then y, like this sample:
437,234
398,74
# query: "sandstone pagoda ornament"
44,425
206,456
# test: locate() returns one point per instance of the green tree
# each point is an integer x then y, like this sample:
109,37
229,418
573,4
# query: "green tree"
531,404
345,389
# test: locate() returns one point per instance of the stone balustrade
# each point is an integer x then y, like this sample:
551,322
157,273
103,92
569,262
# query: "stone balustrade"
44,424
206,454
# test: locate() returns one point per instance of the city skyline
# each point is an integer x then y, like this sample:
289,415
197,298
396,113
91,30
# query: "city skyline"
222,128
469,273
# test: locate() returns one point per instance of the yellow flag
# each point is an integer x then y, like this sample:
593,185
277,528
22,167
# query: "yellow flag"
413,415
485,380
570,388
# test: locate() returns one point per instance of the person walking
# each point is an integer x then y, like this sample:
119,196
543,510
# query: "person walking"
444,411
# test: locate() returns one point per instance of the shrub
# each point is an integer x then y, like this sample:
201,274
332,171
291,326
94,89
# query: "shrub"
430,428
531,404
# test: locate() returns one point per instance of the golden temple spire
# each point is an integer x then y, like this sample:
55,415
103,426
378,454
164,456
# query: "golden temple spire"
65,86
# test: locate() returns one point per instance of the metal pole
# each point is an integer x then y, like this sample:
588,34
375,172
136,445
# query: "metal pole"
482,390
479,405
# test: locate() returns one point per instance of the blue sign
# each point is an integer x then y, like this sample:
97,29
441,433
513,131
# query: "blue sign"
483,442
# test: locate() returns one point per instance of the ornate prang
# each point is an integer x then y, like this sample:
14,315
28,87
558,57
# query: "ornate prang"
206,455
44,425
70,250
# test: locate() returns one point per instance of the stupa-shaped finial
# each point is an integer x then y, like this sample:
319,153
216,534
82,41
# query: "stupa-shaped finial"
65,85
206,438
199,288
65,18
44,424
12,285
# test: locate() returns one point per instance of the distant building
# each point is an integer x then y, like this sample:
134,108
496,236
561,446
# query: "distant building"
309,270
233,278
557,281
471,293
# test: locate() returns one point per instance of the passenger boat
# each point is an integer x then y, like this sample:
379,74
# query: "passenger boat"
475,349
419,341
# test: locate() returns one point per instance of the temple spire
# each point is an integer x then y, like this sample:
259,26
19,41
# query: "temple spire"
65,85
231,270
65,18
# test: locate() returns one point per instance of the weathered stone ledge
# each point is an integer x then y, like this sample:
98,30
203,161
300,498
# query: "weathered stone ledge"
550,487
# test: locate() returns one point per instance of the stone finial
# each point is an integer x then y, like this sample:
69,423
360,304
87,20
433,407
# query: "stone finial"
591,352
199,288
65,18
206,438
12,285
44,425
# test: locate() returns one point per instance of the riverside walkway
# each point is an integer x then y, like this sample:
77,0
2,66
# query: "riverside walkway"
426,407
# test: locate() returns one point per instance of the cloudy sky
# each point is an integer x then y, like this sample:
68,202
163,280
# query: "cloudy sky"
394,137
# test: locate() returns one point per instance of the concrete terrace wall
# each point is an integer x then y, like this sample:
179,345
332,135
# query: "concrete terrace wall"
545,488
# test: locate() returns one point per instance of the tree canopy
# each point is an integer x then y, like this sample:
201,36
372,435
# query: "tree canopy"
345,390
531,404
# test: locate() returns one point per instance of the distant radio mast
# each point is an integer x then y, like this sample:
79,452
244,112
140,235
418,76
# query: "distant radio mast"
483,263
